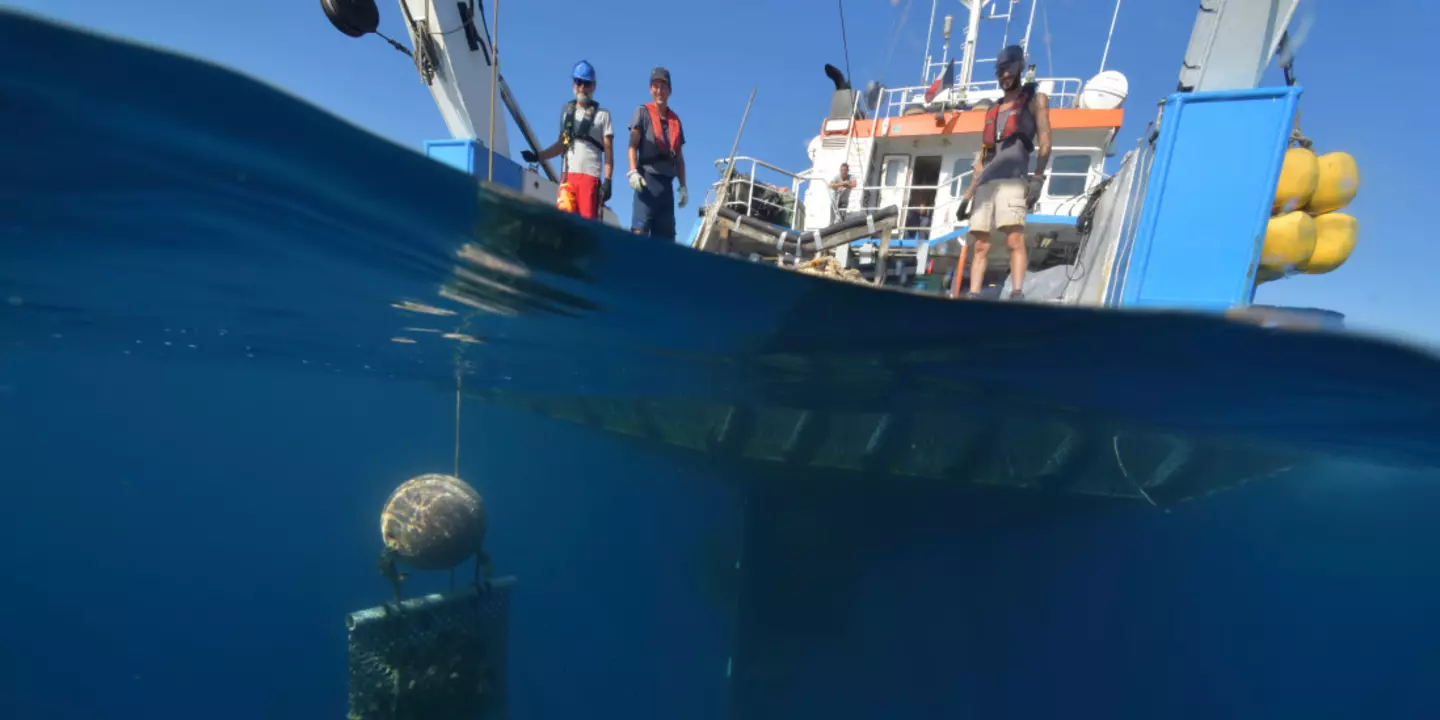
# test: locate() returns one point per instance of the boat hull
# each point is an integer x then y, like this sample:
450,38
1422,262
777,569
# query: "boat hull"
1043,453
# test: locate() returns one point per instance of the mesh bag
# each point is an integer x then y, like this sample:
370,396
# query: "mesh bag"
437,657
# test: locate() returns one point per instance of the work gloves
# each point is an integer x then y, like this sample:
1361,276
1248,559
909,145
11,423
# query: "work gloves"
963,213
637,183
605,190
1032,190
529,156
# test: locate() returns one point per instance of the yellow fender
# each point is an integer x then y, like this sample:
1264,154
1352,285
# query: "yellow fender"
1337,182
1289,242
1298,178
1335,235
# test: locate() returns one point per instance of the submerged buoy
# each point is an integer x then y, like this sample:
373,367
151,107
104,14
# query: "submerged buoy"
1289,241
356,18
1338,179
1297,180
433,522
1335,235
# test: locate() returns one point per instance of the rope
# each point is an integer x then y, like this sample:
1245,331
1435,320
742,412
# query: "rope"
828,267
894,42
1287,64
459,381
494,85
460,366
1049,54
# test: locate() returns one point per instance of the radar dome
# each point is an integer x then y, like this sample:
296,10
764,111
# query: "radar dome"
1105,91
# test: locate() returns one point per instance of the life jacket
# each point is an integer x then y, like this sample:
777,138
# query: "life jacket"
667,143
570,130
1020,124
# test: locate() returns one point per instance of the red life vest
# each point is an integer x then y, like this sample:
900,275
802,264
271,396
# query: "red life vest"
1020,122
666,144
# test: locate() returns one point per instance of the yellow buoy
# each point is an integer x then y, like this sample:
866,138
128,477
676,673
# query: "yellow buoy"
1335,235
1289,241
1338,181
1298,177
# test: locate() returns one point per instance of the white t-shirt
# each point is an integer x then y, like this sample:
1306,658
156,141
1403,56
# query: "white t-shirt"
583,157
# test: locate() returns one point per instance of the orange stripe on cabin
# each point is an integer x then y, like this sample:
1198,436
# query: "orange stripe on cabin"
973,121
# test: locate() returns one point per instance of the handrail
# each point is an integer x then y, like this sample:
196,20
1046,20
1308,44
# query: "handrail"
946,196
1064,93
720,165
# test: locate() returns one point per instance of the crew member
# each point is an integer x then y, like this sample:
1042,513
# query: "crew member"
1004,190
586,134
656,161
840,188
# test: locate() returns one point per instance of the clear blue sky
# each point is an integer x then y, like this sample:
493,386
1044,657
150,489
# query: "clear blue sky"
1361,80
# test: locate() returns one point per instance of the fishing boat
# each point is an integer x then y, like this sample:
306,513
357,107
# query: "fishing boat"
905,507
1150,234
1142,235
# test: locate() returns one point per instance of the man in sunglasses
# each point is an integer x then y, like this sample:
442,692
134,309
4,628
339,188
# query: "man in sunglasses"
1005,189
586,135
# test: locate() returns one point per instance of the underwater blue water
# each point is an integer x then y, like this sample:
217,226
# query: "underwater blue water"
202,409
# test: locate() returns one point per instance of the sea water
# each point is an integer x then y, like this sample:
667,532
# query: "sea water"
232,324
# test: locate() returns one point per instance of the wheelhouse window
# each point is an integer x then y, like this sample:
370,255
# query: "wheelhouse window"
960,176
1068,175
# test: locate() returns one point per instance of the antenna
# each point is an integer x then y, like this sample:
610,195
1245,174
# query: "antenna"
1105,55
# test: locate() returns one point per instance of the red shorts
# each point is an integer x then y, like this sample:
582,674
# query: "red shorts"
587,194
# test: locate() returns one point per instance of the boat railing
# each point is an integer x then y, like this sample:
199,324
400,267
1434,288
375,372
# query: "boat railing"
1063,92
916,221
1073,172
760,189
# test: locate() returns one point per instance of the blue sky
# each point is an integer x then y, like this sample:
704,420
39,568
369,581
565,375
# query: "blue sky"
1357,79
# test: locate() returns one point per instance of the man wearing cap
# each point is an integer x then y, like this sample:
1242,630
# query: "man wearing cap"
656,161
586,134
1004,189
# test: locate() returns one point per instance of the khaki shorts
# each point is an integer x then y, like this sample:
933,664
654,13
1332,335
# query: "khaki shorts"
998,204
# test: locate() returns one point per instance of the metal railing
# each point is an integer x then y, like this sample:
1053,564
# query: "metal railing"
1063,93
749,184
938,218
756,185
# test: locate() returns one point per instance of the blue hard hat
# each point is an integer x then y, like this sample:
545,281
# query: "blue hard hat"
583,71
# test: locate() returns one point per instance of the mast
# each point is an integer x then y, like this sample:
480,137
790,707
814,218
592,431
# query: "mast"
972,30
929,33
1025,44
453,57
1232,42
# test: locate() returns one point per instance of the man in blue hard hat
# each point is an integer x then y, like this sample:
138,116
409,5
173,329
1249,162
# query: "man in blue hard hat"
656,161
1005,189
587,138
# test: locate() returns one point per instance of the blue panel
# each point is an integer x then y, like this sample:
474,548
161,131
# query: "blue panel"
1208,198
469,156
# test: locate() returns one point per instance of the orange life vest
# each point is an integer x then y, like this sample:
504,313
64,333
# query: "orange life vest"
665,143
1020,122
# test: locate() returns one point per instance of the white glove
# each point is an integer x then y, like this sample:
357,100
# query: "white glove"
637,181
684,196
